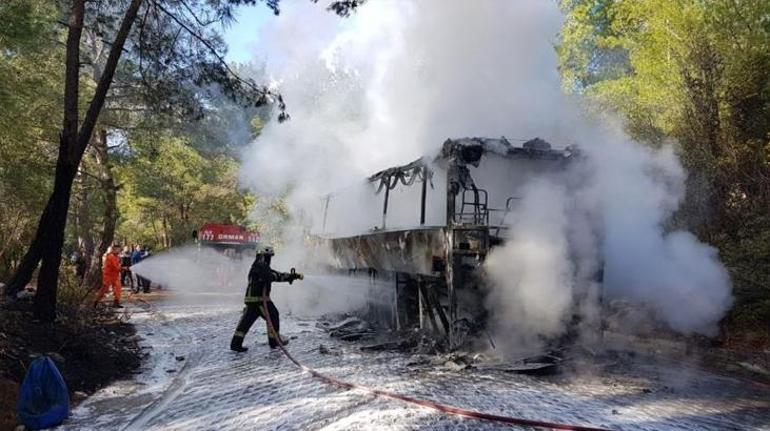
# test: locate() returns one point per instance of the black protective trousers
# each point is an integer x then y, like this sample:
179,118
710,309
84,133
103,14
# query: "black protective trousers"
251,312
125,274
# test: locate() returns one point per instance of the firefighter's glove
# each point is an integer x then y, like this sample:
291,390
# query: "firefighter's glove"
294,275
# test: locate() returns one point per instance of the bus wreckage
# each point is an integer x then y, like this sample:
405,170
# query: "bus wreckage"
432,223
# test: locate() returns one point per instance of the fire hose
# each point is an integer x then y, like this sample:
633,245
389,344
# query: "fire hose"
422,403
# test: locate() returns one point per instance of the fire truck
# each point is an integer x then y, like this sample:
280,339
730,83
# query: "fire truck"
227,238
236,243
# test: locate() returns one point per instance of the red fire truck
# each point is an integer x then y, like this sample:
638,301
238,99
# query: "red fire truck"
224,237
237,243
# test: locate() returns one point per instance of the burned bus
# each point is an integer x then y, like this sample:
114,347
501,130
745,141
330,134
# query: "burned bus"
432,222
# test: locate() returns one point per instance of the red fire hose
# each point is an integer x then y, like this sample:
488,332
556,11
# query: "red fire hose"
423,403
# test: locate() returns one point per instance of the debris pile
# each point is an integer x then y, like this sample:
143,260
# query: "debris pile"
431,351
539,365
349,329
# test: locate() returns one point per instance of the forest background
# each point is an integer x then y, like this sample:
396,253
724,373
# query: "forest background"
163,158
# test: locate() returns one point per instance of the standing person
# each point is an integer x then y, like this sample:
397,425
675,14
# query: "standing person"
261,276
125,267
137,257
111,276
146,281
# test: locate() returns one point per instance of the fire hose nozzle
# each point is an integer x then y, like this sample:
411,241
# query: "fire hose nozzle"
294,275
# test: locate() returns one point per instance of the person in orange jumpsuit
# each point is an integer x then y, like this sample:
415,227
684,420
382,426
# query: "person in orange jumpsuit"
111,276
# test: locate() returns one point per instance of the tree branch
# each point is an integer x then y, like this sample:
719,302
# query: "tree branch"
220,59
200,23
89,122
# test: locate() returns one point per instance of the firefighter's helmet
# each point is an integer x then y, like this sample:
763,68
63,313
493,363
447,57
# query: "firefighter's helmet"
265,251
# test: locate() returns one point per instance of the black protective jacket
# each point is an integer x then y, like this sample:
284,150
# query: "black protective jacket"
261,276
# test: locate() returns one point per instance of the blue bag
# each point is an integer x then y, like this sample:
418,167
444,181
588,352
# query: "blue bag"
44,401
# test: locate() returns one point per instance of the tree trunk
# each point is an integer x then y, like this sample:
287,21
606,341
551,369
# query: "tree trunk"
86,242
81,202
45,235
155,233
166,238
51,245
49,238
110,216
84,225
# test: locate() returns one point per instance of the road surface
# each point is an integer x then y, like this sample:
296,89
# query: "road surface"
191,381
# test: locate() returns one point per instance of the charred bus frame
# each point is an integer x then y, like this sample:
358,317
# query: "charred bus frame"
437,268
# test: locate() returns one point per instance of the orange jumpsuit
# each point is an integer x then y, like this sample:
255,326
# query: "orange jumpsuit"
110,277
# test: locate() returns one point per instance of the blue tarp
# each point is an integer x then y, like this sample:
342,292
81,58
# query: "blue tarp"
44,401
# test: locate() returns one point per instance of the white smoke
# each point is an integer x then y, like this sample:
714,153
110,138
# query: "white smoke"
533,271
398,78
201,274
679,277
193,269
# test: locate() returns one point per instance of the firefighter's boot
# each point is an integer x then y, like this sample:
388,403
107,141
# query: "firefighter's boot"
236,345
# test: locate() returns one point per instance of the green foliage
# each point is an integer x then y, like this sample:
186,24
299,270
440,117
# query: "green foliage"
256,124
695,71
270,217
25,24
169,189
30,85
31,88
164,59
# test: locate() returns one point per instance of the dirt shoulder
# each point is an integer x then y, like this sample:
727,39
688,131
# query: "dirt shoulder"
90,347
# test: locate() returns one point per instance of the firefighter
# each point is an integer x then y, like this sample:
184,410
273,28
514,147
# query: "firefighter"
261,276
111,276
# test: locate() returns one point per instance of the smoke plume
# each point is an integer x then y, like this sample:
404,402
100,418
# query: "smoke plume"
202,274
394,81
